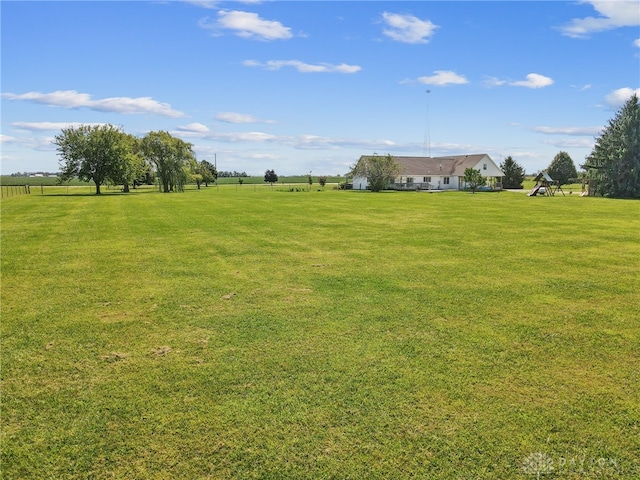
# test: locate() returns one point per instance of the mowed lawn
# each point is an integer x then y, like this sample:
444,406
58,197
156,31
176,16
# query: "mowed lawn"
256,333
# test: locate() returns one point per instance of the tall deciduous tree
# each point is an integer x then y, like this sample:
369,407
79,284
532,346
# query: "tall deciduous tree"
474,179
615,160
380,171
513,173
133,166
562,168
208,172
169,156
92,152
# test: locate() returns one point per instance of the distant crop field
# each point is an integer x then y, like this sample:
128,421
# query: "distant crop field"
263,333
7,180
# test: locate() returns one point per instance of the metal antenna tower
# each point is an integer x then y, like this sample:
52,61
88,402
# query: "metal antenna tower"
426,149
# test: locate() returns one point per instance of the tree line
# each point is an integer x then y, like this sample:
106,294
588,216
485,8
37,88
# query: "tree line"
106,154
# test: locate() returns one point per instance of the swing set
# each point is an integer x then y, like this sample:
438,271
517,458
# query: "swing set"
545,185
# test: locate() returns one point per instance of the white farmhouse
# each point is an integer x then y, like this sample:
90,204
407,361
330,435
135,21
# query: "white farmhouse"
439,173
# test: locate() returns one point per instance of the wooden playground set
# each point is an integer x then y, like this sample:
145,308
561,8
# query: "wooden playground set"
545,185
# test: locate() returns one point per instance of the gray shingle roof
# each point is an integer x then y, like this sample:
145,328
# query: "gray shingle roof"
452,165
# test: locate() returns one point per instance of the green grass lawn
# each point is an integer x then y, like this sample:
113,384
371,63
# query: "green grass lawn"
255,333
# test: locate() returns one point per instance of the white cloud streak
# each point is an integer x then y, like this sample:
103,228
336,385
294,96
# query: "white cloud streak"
303,67
300,142
573,131
234,117
247,25
73,99
407,28
203,3
618,97
534,80
613,14
194,128
50,126
443,78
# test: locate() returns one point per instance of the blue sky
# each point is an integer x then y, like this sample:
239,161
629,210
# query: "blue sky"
310,86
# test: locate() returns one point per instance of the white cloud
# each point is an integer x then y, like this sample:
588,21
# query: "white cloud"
73,99
613,14
303,67
636,43
407,28
534,80
618,97
571,143
244,136
248,25
203,3
194,128
32,142
444,77
577,131
50,126
233,117
494,82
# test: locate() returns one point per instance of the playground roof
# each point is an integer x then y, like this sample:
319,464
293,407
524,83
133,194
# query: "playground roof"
544,175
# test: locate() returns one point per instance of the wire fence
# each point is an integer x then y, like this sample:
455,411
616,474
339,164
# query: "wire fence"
14,190
8,191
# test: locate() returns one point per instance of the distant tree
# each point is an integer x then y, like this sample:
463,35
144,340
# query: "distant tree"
322,180
270,176
309,180
615,160
513,173
194,172
92,152
379,171
562,168
474,179
240,180
169,156
208,172
133,165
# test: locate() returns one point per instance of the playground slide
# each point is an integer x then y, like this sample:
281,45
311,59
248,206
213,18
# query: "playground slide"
534,192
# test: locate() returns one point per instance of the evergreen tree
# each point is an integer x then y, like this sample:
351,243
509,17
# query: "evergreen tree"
614,162
513,173
562,168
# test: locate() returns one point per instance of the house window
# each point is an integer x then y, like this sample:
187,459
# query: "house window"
484,167
445,180
426,179
409,180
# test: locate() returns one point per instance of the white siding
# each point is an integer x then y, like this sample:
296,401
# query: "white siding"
492,169
360,183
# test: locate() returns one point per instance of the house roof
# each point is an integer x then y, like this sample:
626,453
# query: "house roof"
448,166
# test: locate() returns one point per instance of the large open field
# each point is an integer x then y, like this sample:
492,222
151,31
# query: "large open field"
256,333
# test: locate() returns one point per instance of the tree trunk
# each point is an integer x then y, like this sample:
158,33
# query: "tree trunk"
97,189
125,188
